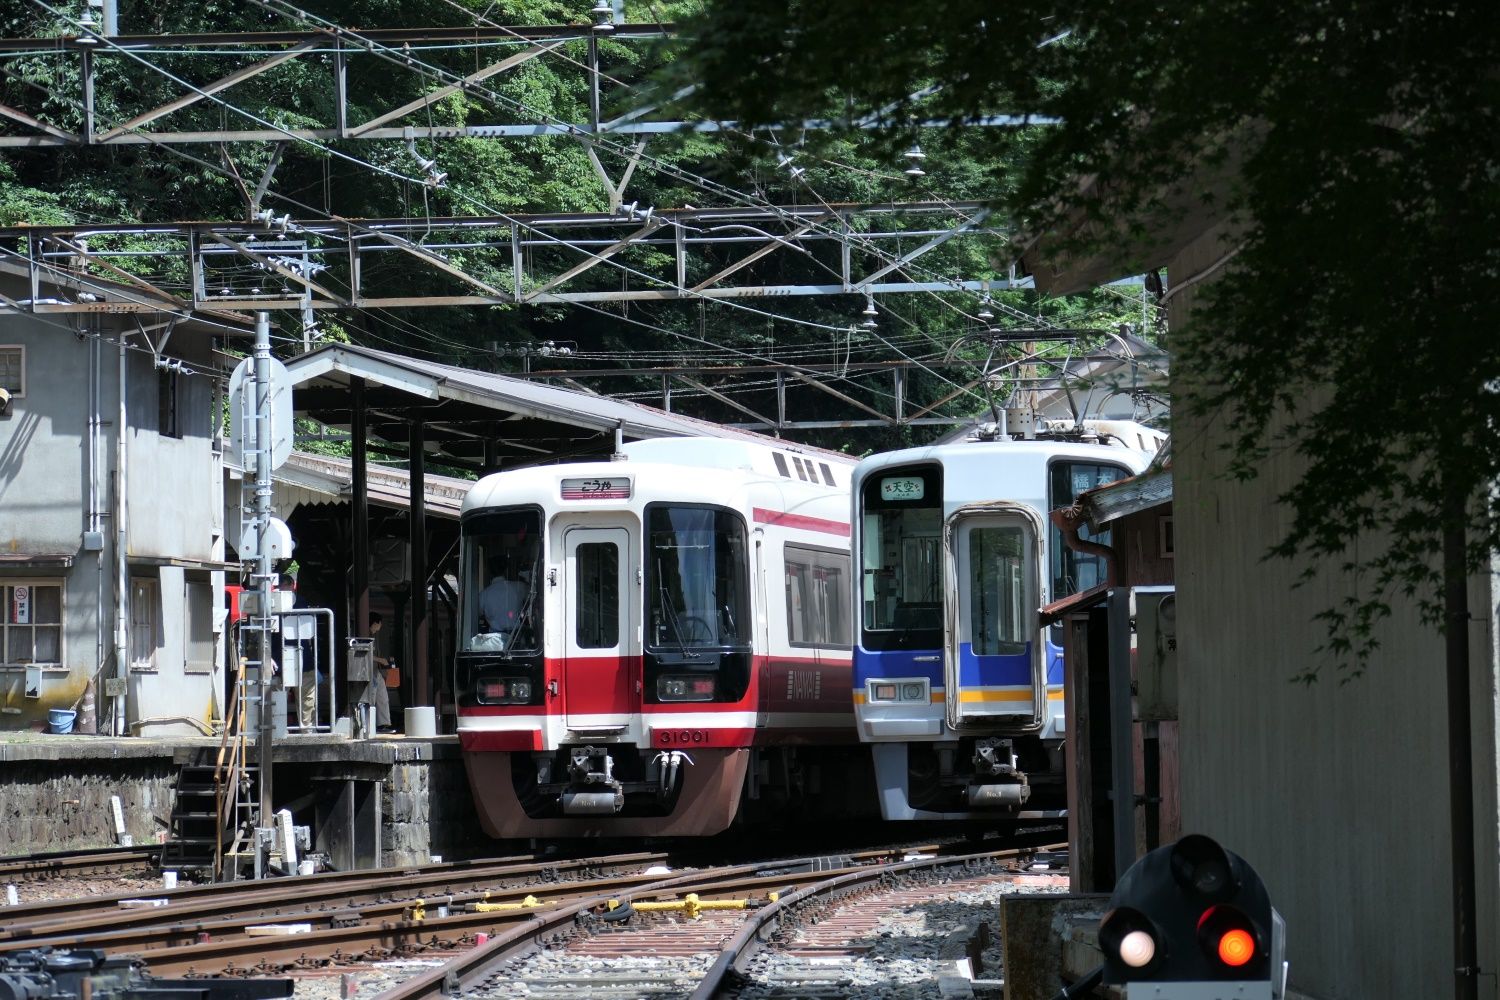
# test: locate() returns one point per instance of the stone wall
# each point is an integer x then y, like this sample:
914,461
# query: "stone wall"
55,791
63,806
426,810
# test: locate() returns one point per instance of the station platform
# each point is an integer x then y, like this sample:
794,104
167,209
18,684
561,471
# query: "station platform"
57,791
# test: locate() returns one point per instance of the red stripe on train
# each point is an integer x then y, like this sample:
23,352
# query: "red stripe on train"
530,739
764,515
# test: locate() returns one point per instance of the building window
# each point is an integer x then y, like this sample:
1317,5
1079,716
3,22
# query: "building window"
145,623
167,418
817,597
198,654
31,623
13,369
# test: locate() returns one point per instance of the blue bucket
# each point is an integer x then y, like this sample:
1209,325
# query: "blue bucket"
60,720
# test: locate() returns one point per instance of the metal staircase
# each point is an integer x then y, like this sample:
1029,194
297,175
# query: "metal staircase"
213,812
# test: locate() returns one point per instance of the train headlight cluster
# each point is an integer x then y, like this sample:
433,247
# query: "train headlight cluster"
891,692
503,691
685,687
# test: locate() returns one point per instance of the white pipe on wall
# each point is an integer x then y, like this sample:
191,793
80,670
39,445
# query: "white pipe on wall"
122,584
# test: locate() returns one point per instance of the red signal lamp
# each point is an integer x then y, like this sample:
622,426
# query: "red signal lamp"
1236,947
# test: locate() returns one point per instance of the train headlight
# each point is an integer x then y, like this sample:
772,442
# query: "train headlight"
897,691
684,687
503,691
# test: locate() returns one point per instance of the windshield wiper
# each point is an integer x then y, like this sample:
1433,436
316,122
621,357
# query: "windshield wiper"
524,618
671,616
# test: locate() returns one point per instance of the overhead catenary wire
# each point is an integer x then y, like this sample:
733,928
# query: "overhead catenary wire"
397,174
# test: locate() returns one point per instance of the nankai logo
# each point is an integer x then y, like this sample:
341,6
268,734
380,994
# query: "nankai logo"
804,685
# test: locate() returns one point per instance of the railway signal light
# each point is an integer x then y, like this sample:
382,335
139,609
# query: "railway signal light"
1194,922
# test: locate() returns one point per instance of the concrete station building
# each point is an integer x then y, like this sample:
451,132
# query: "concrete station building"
111,512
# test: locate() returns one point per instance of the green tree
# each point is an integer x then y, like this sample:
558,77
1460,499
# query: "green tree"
1351,148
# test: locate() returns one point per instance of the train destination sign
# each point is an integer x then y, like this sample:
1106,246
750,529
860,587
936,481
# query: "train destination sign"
902,488
597,488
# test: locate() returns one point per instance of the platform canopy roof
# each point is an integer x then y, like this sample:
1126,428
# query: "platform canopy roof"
477,420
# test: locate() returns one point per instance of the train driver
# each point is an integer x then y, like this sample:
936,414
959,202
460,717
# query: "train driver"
502,603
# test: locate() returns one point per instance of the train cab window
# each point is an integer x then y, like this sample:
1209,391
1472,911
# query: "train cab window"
901,542
817,597
597,576
502,601
1073,572
697,594
997,584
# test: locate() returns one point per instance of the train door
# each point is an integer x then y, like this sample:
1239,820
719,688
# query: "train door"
600,658
995,669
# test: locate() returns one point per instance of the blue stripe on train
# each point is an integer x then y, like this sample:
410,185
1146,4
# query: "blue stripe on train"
898,663
977,671
995,670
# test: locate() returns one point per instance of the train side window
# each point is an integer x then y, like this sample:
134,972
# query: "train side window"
597,595
818,591
827,473
780,461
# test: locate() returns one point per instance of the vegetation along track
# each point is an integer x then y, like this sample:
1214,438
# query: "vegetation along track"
705,955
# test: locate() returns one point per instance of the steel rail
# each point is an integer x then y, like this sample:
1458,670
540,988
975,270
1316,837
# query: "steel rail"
449,979
359,942
364,902
763,923
152,936
57,864
465,970
233,897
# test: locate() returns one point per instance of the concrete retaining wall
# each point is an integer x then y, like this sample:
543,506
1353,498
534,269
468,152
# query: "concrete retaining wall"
58,806
55,791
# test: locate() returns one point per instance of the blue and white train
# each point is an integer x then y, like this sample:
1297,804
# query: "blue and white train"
957,690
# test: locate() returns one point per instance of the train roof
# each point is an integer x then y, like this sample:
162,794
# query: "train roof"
1115,445
696,470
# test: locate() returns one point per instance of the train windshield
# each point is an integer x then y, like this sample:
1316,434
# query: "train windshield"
502,603
901,542
1073,571
698,591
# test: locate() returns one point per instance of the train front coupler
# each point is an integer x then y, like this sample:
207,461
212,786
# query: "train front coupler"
998,780
593,789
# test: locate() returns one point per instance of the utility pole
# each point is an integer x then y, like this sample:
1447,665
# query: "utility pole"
263,569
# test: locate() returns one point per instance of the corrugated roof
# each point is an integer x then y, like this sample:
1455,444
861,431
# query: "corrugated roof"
333,476
505,396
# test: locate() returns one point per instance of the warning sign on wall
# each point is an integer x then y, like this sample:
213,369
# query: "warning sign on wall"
20,605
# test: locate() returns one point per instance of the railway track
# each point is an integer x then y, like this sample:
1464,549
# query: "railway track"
561,952
69,864
481,919
352,917
161,918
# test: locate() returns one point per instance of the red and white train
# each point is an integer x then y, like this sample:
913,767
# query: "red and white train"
659,645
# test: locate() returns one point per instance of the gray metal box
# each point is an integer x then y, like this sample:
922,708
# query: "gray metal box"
1154,610
361,666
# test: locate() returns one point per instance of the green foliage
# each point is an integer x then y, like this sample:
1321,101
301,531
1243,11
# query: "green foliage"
152,183
1351,149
